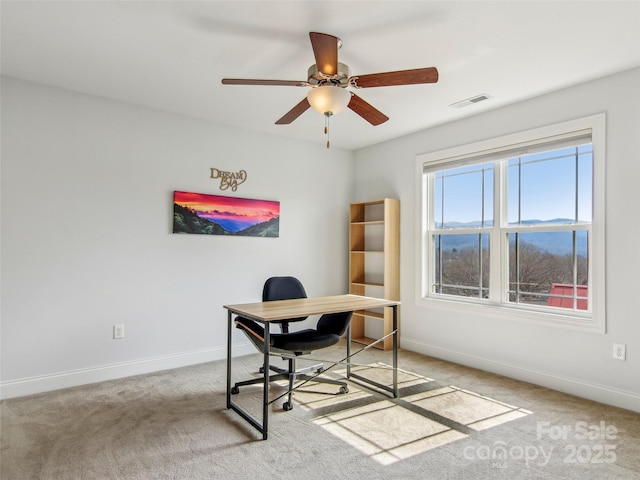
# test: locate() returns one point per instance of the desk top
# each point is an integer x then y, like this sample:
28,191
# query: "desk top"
301,307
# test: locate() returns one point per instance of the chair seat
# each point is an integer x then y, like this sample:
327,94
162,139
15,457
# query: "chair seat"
297,342
290,345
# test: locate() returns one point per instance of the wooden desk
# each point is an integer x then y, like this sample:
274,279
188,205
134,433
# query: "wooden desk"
265,312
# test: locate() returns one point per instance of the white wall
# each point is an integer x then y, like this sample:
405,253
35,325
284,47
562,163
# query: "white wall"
86,239
579,363
87,187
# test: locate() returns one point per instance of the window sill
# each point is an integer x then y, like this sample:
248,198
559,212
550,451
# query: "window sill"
572,320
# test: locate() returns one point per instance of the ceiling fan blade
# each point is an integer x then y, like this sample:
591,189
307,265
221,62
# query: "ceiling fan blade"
401,77
325,49
366,111
294,113
249,81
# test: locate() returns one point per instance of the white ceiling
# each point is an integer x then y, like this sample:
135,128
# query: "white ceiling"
172,55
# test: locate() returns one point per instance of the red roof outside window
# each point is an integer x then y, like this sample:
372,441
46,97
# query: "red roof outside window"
561,295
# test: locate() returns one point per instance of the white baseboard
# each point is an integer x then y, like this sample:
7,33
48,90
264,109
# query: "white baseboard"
599,393
56,381
74,378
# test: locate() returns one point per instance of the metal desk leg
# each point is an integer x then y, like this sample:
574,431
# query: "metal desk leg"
349,349
262,428
393,390
229,359
265,392
395,351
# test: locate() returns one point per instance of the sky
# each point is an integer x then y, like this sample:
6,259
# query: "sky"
546,185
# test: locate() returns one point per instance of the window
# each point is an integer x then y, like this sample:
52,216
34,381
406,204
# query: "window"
516,224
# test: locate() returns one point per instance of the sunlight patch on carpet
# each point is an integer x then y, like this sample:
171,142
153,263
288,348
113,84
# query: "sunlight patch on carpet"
387,432
466,408
396,429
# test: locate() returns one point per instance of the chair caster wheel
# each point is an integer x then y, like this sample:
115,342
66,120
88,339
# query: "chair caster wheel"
344,389
286,406
235,390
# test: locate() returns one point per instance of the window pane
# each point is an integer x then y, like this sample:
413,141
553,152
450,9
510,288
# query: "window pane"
462,265
550,187
463,197
585,183
549,268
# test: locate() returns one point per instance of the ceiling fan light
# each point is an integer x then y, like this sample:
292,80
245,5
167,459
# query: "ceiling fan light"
328,99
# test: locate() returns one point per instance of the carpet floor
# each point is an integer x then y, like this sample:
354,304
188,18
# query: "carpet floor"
449,422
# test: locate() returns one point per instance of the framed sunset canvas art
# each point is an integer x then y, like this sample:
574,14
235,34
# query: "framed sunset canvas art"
203,214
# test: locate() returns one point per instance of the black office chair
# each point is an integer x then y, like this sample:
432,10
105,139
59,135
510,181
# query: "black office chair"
329,329
282,288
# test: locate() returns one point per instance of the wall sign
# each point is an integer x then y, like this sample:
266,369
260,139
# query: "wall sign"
229,179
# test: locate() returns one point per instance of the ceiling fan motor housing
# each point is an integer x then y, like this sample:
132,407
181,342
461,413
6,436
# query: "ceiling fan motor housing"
341,78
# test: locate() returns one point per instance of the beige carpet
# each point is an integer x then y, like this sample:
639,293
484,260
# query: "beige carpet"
450,422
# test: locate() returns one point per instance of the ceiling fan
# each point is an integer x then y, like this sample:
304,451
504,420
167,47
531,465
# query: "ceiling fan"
329,80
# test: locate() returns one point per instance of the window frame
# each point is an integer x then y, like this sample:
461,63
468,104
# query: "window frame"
489,151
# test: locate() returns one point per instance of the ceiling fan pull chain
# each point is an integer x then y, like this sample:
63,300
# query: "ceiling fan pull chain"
326,127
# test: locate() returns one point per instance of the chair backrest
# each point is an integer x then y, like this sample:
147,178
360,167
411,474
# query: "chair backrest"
335,323
283,288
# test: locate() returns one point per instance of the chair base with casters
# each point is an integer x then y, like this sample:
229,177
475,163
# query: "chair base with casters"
297,344
319,367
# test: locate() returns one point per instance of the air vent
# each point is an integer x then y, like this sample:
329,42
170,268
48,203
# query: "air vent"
471,101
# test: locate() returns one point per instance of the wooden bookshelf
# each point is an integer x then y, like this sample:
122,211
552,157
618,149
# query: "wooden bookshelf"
374,263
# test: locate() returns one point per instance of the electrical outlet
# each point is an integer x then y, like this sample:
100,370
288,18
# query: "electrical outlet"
619,351
118,331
